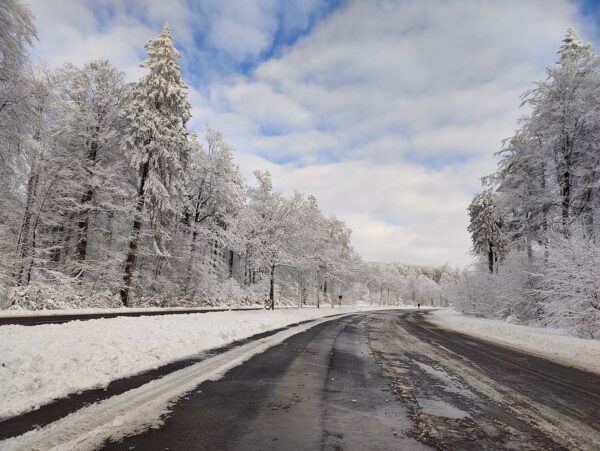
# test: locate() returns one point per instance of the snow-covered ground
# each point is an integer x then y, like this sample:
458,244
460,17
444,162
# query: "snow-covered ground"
552,344
140,408
46,362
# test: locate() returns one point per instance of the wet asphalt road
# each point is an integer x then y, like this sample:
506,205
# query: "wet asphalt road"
385,380
321,389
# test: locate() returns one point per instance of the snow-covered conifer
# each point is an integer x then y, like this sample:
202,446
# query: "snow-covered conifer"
156,143
486,228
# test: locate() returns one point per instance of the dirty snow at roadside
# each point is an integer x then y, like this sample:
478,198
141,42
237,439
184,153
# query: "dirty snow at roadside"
550,344
46,362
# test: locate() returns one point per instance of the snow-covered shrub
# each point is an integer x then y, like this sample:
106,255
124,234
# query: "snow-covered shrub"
230,293
256,294
571,285
59,295
511,294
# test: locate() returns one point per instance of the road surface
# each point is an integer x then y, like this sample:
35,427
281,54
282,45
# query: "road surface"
367,381
386,380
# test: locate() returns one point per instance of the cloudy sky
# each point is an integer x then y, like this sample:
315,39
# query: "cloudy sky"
388,111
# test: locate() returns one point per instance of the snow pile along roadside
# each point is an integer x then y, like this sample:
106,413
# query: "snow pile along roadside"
550,344
46,362
141,408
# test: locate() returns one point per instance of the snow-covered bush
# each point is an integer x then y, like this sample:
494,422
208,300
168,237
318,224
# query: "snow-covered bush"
59,295
511,294
231,293
571,284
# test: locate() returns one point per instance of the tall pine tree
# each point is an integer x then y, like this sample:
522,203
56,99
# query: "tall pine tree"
157,145
486,228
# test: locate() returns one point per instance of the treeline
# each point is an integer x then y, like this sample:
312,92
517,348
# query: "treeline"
107,199
537,224
397,284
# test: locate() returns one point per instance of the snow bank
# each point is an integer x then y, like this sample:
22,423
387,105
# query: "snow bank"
141,408
552,344
46,362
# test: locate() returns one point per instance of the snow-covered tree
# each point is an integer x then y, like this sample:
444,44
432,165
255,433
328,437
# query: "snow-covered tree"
486,228
157,145
17,32
216,190
561,121
270,224
571,286
95,94
546,204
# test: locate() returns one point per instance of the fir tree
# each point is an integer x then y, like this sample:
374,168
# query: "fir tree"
486,228
157,145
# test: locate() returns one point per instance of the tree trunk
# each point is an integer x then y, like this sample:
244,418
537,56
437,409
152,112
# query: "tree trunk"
565,185
24,243
545,208
272,288
331,294
318,292
566,200
230,263
491,260
135,235
84,219
188,279
83,226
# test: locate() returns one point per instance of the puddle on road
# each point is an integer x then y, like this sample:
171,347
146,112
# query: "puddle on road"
439,408
448,383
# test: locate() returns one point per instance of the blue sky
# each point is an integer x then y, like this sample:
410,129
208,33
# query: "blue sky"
389,111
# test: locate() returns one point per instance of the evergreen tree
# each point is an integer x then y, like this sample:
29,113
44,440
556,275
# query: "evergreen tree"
486,228
156,143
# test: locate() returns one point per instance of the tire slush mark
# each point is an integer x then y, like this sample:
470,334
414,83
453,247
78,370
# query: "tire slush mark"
371,421
425,432
547,421
520,367
434,430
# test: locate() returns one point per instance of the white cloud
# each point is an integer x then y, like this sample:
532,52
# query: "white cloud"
389,84
374,89
394,209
